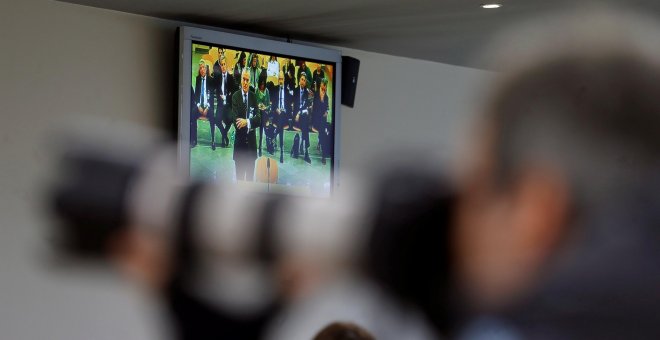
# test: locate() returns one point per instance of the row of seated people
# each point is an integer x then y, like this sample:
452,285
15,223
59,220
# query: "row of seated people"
281,106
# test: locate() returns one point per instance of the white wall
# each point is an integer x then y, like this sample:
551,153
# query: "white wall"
61,61
405,103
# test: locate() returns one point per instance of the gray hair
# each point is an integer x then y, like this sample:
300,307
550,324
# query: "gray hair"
591,112
246,71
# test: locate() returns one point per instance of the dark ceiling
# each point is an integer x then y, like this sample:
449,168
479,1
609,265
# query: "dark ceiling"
446,31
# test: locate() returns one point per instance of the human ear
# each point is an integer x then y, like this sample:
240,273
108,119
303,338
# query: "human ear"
540,201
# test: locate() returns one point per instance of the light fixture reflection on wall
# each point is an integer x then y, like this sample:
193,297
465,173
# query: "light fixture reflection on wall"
491,6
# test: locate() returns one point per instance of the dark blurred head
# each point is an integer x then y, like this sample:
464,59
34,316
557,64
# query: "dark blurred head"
343,331
242,59
570,129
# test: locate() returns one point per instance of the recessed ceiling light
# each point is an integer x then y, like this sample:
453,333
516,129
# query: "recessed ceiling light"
491,6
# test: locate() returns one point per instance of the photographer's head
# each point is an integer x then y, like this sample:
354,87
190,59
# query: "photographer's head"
571,131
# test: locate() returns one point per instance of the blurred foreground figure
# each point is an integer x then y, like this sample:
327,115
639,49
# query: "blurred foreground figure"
229,263
556,234
559,225
343,331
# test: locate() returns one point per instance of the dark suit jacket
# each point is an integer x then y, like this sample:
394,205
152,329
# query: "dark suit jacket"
318,110
230,88
238,69
307,100
318,77
245,142
210,88
289,76
275,98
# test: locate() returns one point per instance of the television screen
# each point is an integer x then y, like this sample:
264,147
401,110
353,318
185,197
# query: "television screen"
257,112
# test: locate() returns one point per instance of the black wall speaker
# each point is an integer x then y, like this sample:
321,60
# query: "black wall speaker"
349,76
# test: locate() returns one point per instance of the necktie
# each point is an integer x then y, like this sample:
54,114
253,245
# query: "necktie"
203,97
282,98
246,104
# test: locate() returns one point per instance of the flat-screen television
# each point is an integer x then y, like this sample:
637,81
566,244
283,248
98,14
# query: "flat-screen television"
258,112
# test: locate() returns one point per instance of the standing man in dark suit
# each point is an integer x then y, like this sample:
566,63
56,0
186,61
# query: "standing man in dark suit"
204,96
302,106
281,100
246,119
225,87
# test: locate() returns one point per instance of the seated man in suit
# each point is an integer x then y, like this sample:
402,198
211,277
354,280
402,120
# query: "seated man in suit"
204,99
289,85
246,117
263,104
302,105
281,109
194,114
320,111
225,87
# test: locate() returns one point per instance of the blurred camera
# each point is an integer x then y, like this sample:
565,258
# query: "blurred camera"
395,228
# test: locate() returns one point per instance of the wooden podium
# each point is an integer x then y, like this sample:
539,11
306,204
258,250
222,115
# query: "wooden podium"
265,170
